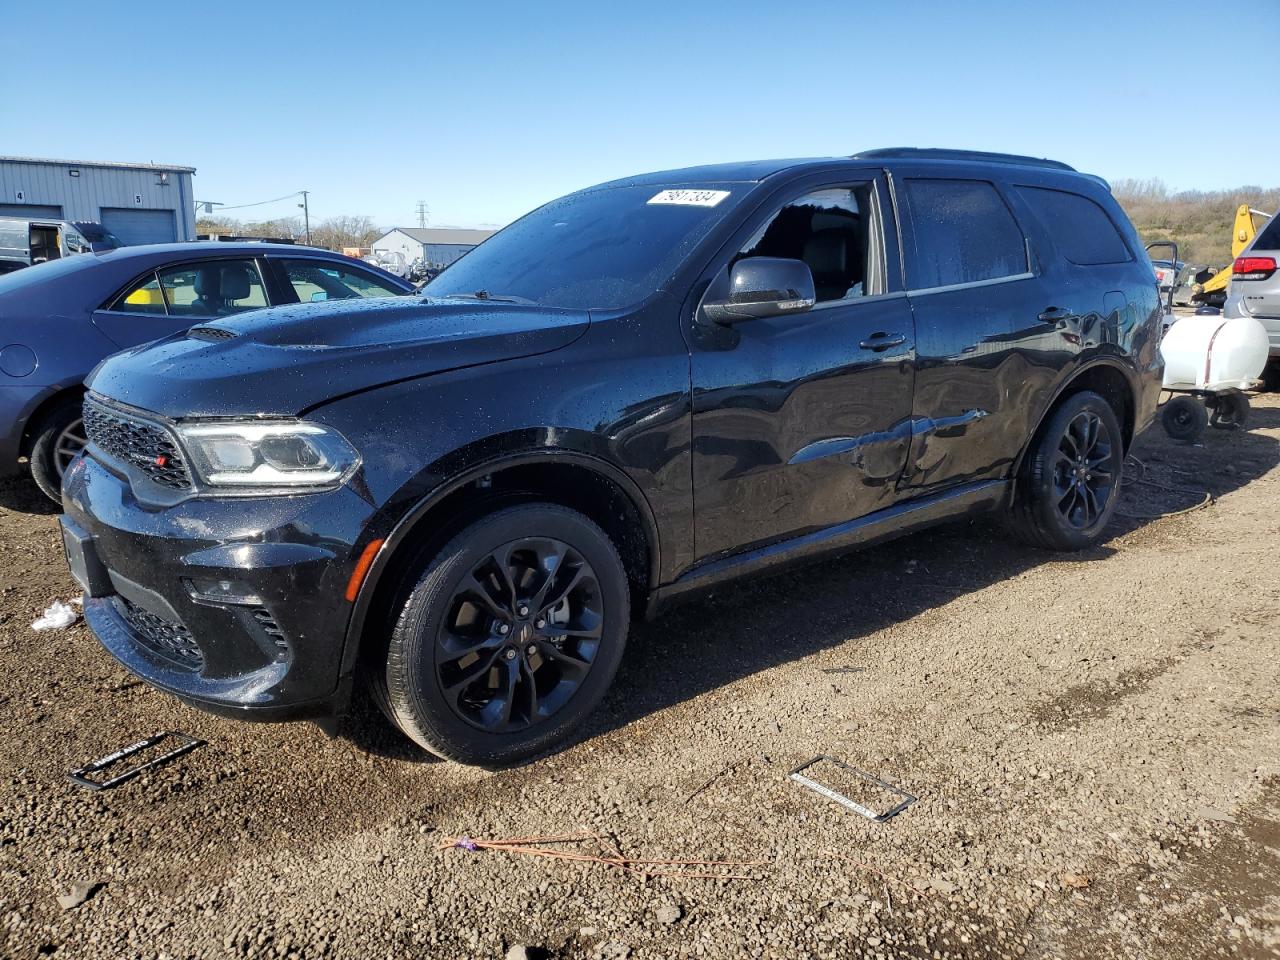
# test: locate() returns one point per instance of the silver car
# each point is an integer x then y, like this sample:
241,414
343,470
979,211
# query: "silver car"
1255,285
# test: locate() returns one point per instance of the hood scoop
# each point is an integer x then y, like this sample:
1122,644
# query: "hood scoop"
211,333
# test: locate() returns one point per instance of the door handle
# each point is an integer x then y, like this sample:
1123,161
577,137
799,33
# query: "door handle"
883,341
1055,314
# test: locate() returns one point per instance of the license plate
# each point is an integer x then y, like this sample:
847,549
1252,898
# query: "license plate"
82,558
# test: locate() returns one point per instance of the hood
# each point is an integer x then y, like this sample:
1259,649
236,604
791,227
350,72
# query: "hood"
282,361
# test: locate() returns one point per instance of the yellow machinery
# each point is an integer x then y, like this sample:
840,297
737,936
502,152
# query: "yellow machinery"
1213,292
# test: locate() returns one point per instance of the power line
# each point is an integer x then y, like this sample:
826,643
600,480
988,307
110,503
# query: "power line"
262,203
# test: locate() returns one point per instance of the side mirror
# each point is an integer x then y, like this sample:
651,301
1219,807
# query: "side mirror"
764,287
319,296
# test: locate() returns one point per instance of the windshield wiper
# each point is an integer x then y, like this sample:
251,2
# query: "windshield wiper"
487,296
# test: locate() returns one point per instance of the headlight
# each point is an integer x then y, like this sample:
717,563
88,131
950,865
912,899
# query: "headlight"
289,454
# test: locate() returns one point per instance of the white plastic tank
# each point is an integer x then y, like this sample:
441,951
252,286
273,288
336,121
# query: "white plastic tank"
1213,353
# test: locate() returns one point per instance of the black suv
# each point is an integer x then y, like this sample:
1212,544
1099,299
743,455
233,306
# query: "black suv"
635,391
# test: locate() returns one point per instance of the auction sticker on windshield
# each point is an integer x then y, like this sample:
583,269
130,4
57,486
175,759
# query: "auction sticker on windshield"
689,198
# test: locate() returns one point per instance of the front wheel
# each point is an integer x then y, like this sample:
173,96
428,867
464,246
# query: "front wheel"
1070,479
509,637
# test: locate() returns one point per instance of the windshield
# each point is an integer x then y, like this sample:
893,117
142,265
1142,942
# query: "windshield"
603,248
97,233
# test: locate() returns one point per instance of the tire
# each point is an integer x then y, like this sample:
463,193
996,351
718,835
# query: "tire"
1069,483
1184,418
1271,375
1230,410
56,438
530,691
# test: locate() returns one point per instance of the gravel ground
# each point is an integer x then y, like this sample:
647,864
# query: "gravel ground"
1093,740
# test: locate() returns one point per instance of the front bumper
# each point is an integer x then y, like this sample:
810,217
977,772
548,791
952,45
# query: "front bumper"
276,655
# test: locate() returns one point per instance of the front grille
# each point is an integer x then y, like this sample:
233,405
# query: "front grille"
165,637
138,443
210,333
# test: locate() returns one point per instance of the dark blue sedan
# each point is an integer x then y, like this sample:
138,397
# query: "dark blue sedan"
60,318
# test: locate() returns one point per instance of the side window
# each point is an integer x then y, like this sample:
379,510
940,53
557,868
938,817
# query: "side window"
831,231
317,280
215,288
144,297
1081,229
961,231
1268,237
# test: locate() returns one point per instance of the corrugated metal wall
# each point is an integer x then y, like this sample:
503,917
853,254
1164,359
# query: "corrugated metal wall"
444,253
84,196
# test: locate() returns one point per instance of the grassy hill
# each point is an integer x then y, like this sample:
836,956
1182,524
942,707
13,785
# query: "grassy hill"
1198,221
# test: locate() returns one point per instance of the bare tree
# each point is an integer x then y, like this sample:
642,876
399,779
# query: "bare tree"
345,231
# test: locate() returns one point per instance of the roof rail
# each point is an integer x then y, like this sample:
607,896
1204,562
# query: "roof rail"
934,153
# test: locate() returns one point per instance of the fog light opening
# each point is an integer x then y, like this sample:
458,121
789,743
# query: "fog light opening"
223,591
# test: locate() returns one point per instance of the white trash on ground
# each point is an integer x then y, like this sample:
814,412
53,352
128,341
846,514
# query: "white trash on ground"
57,616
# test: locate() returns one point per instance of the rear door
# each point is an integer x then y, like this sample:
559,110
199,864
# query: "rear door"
182,295
802,421
978,305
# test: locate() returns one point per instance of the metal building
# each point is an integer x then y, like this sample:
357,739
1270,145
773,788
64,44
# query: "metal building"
138,202
437,246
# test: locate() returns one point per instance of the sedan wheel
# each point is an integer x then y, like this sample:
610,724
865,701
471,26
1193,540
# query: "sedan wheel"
68,445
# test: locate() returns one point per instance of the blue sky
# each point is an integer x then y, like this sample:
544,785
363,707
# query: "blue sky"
485,110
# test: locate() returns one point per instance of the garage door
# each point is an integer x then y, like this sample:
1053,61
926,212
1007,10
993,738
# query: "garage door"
31,211
140,226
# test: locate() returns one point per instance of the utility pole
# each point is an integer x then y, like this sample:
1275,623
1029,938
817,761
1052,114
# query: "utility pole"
422,213
306,215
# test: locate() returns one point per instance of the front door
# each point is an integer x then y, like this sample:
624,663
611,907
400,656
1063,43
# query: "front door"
801,422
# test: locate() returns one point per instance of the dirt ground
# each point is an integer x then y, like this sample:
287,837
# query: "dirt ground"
1093,740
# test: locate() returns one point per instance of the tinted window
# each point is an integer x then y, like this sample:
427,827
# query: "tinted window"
830,230
961,231
605,248
215,288
1082,231
1268,237
316,280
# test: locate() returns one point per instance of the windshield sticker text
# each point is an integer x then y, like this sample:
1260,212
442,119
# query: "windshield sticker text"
689,198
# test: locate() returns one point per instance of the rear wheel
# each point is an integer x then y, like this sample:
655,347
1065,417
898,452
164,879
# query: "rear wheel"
508,638
55,442
1070,479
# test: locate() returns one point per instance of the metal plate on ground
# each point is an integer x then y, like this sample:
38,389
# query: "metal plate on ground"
82,775
821,789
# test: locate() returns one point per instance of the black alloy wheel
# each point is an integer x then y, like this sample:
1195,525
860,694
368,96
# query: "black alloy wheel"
521,635
1068,484
505,639
1084,471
